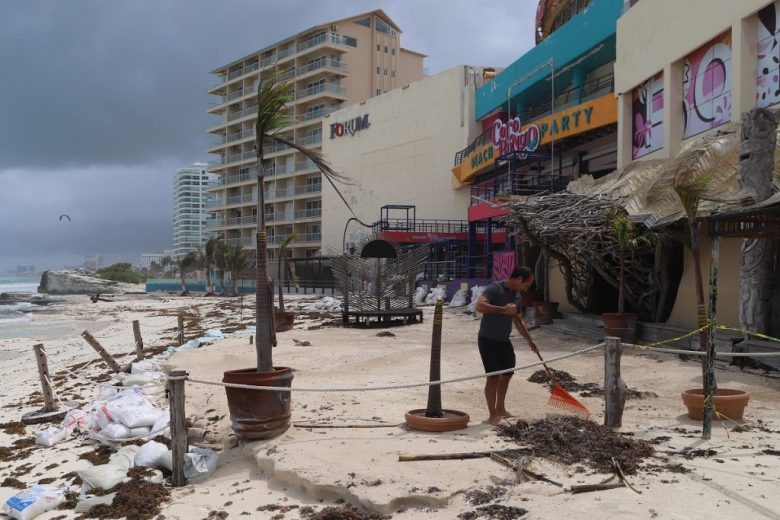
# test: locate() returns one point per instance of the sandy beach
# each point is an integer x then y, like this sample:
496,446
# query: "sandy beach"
308,469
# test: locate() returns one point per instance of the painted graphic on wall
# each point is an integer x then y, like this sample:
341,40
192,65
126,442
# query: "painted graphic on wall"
707,86
503,264
768,65
647,114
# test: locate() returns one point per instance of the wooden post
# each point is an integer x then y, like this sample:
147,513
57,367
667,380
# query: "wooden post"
181,329
178,428
111,362
139,342
50,404
710,386
614,387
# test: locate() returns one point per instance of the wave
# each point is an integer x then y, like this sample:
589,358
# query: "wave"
10,286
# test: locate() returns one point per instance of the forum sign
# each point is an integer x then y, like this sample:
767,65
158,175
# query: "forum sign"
350,127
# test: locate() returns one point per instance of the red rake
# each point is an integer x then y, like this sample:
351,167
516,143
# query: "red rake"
560,398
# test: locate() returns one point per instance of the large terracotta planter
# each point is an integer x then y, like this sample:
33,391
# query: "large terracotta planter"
545,312
259,414
450,420
728,403
621,326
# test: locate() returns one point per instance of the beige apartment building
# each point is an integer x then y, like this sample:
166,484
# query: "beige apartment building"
328,67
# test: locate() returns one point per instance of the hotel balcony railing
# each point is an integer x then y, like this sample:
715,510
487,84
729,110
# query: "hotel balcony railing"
276,147
316,89
572,96
215,224
318,64
309,237
310,140
304,165
239,135
241,177
243,156
217,162
280,216
242,113
270,60
284,53
308,213
314,114
246,70
215,203
249,241
279,193
308,188
322,38
240,199
287,75
521,183
242,221
278,239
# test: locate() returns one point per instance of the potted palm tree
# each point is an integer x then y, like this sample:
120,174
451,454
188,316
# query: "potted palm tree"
265,414
622,324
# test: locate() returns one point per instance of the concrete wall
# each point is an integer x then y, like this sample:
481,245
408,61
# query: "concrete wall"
656,35
404,157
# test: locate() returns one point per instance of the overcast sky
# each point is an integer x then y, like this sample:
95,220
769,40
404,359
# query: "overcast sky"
102,100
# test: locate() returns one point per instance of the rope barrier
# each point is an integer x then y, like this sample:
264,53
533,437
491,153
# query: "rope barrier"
701,353
748,333
385,387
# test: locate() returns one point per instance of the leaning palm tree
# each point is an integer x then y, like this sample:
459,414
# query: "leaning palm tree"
272,101
209,254
185,264
283,258
236,260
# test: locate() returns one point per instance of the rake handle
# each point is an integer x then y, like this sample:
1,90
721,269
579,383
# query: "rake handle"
549,372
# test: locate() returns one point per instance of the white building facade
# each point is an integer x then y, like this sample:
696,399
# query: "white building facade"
190,197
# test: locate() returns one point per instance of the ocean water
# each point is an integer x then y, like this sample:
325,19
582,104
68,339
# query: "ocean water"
16,312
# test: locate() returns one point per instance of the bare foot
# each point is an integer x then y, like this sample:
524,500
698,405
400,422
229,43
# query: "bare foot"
495,421
504,414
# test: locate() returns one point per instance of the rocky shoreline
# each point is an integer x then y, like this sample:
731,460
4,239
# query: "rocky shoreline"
82,281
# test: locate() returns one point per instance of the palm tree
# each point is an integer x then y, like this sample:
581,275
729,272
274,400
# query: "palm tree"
272,100
209,257
166,262
219,262
236,260
287,267
185,265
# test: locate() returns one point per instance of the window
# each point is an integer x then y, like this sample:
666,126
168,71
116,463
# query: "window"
352,42
377,70
378,47
385,72
382,27
365,22
385,49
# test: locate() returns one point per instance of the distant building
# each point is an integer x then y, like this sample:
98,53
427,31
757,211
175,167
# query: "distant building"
93,262
328,67
25,269
190,197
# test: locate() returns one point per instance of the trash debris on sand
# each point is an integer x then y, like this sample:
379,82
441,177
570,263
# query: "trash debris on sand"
570,384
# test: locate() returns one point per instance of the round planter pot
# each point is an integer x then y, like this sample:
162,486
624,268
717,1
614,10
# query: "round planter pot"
545,312
283,321
452,420
728,403
259,414
621,326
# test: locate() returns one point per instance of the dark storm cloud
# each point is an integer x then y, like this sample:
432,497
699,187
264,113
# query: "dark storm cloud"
95,90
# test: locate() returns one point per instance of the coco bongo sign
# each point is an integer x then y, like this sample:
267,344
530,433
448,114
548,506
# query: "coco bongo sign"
508,137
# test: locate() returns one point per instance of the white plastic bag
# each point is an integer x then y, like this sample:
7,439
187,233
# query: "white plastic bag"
124,457
476,292
459,299
150,454
199,464
31,502
419,295
139,367
76,419
52,435
87,503
436,294
136,416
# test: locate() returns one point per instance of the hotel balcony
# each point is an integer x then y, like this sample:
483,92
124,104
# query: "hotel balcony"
309,237
308,213
244,242
310,68
310,140
323,40
324,89
308,188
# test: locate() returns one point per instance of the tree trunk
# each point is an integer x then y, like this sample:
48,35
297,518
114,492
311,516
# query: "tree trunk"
263,322
756,167
622,284
433,409
701,310
209,285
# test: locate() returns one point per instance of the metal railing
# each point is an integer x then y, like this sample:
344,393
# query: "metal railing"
314,114
522,183
270,60
241,177
284,53
304,165
244,70
276,147
242,221
310,140
240,199
316,89
279,193
308,213
308,188
318,64
309,237
215,203
242,113
424,225
322,38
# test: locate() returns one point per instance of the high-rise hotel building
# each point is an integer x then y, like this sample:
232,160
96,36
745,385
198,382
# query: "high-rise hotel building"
328,67
190,198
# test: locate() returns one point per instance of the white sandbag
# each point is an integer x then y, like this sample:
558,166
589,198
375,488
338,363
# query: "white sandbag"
76,419
104,476
156,477
124,457
149,454
116,431
215,333
138,380
52,435
107,392
140,431
199,464
139,367
459,299
419,295
162,425
166,460
87,503
31,502
135,416
436,294
476,292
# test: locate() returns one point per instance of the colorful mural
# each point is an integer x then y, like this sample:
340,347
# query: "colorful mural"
503,264
707,86
768,66
647,116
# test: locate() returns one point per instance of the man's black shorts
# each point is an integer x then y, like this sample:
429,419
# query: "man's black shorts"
496,355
